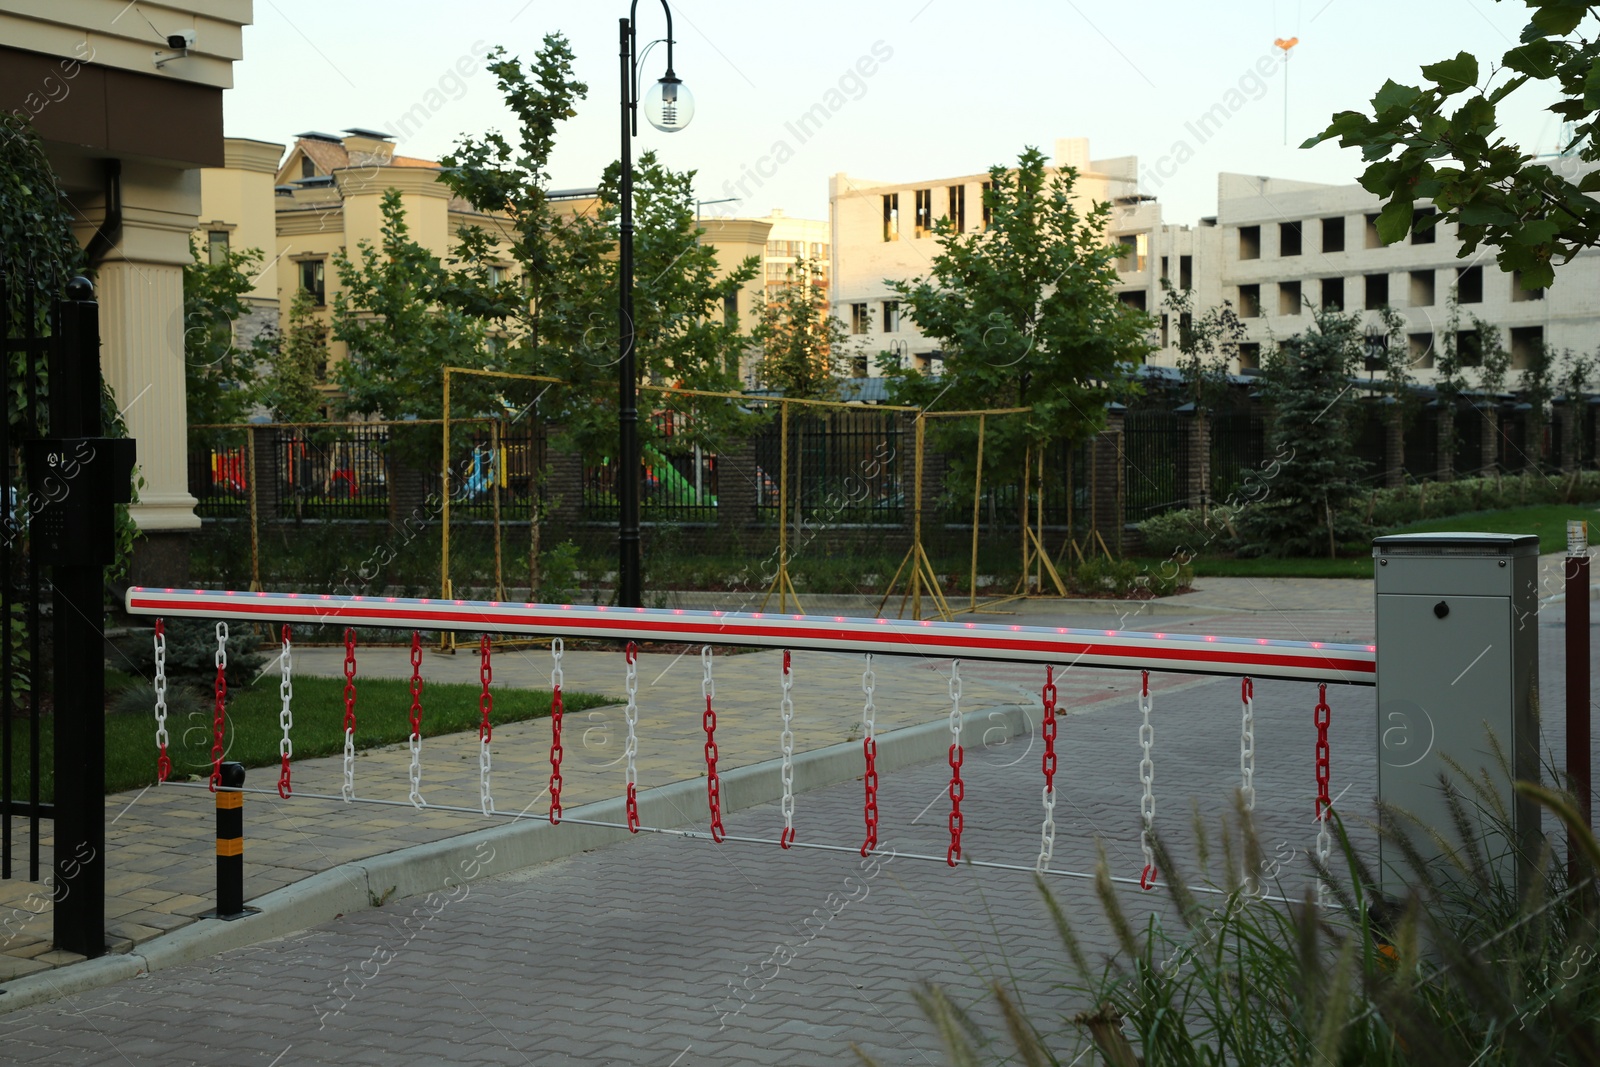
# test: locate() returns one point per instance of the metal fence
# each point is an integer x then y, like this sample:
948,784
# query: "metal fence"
1238,446
1422,446
1156,462
845,467
679,478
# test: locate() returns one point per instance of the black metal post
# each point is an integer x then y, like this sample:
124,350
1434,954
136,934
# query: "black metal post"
628,473
230,842
78,600
1579,757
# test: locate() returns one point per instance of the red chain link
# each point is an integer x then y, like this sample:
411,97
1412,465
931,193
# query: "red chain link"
1323,716
349,681
958,789
869,748
713,781
557,708
163,761
285,784
217,728
1049,729
485,701
416,683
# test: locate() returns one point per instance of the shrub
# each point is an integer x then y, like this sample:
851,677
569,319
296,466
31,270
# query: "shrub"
1190,532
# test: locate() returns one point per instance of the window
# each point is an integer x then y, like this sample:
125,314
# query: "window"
891,316
1166,325
217,247
1469,348
1372,232
1418,218
1333,294
496,275
1525,344
1165,273
1377,291
1185,328
958,207
924,219
1421,288
1419,346
1185,272
1249,301
1249,243
730,306
1250,355
1333,234
1135,251
1288,238
311,280
860,319
891,216
988,211
1469,285
308,169
1134,298
1289,298
1519,294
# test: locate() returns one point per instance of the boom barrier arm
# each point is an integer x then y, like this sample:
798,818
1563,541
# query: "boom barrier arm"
1257,658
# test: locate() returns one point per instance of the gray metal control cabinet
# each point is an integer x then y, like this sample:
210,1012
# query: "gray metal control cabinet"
1458,632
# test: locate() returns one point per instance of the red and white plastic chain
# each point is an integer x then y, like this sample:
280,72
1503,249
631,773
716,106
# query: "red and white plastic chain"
485,728
1047,833
557,710
1247,744
630,744
958,788
708,721
1322,717
348,789
869,749
219,720
285,717
163,761
1147,776
786,744
415,739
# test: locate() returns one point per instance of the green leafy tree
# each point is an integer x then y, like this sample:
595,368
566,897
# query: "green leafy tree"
1440,141
802,342
1027,315
219,376
1313,501
1207,345
298,362
401,332
560,317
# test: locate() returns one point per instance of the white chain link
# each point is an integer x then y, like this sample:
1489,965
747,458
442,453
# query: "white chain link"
869,710
286,694
708,685
1324,850
348,789
1247,752
1147,775
955,702
415,742
161,692
221,658
485,798
558,680
1047,832
786,743
630,715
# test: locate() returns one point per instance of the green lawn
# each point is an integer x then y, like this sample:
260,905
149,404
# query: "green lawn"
383,709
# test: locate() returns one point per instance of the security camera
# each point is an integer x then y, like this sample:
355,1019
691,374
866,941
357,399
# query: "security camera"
183,39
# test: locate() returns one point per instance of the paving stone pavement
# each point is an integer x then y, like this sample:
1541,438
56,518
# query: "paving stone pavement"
668,951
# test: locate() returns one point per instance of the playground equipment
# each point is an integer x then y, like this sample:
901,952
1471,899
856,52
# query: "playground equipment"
1052,647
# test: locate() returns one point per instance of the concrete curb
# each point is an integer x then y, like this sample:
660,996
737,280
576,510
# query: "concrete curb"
526,842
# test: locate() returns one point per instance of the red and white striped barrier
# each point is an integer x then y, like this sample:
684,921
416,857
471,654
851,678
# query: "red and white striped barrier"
1257,658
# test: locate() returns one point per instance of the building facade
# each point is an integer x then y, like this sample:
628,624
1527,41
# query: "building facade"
127,125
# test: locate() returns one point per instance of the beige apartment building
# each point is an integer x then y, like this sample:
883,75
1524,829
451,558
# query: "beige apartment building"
129,106
1276,249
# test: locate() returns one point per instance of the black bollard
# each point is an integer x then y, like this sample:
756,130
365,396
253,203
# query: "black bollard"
230,842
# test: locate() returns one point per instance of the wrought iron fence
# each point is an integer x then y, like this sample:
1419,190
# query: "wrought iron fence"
1238,446
845,466
1156,462
678,478
326,473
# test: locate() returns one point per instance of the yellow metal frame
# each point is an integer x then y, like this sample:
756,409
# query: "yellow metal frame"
921,567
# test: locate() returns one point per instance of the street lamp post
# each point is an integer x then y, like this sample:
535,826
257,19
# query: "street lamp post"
668,106
1377,352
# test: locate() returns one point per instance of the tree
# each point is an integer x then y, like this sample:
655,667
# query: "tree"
801,342
1312,500
401,332
1027,315
1206,346
1493,191
298,362
219,378
560,318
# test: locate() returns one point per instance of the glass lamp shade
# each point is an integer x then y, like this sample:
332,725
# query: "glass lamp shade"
669,105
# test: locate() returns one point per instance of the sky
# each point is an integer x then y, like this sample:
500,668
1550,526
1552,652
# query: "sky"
911,89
